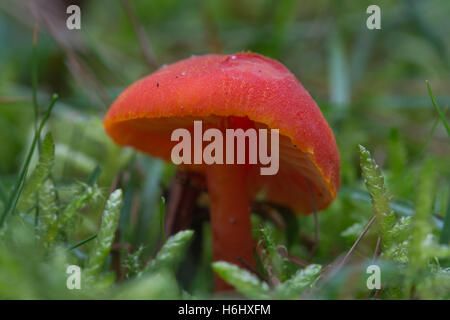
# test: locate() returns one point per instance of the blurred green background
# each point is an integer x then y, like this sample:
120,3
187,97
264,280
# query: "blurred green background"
370,85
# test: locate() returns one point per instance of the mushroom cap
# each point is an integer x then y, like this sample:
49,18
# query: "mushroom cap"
214,87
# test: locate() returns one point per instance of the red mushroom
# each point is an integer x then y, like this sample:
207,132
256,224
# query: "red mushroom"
243,90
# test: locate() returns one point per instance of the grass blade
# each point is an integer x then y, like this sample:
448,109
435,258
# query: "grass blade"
34,79
82,242
445,233
441,114
12,201
3,193
162,215
94,176
338,81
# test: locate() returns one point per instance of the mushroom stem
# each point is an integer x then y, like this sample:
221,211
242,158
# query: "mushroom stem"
230,217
